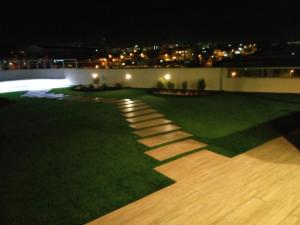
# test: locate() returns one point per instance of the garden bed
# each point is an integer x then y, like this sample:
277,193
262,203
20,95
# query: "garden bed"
92,88
179,92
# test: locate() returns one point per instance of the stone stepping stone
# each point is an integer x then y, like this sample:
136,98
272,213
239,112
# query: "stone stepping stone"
139,113
129,102
164,138
143,118
132,105
149,123
156,130
127,110
171,150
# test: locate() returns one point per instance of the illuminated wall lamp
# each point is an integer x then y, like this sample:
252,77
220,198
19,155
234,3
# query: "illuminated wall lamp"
167,76
233,74
128,76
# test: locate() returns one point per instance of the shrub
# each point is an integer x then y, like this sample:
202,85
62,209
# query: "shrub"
118,85
170,85
160,85
104,86
184,85
90,87
201,85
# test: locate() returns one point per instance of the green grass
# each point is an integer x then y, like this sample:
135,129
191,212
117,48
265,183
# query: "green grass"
69,162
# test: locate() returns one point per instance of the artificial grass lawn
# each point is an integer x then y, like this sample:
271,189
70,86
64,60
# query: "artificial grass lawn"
68,162
230,123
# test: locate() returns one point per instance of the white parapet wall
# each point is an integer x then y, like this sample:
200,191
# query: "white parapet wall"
215,78
148,78
268,85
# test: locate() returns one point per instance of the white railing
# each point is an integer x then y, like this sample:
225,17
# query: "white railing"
38,64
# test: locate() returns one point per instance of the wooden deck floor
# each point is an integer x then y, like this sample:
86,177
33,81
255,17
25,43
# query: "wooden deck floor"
258,187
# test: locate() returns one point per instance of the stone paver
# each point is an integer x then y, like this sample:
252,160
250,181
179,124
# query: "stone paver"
139,113
143,118
164,138
132,105
127,110
171,150
156,130
149,123
129,102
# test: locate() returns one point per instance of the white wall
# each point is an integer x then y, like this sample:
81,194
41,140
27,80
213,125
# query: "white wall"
6,75
272,85
147,78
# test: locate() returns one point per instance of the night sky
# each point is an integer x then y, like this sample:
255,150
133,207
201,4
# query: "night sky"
33,22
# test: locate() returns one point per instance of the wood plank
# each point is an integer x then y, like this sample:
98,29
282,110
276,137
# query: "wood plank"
139,113
164,138
127,110
146,117
149,123
258,187
171,150
156,130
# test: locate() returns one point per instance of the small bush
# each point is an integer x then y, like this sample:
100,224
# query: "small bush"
118,85
91,87
170,85
160,85
104,86
184,86
201,85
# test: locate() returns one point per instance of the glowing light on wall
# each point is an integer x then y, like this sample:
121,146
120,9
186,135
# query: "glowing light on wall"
233,74
33,85
95,75
128,76
167,76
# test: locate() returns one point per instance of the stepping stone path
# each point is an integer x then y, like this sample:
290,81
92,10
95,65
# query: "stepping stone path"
156,130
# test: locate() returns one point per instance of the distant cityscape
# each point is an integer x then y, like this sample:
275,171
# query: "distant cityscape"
267,53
